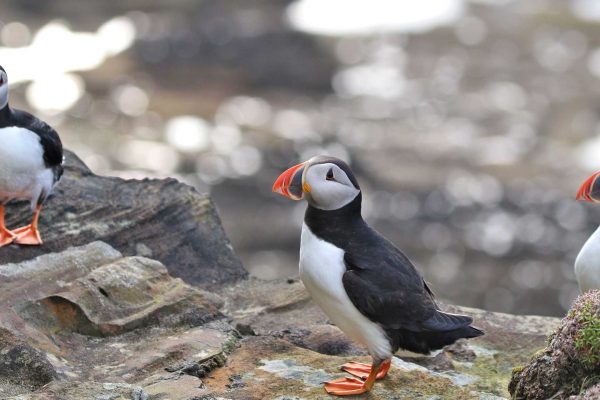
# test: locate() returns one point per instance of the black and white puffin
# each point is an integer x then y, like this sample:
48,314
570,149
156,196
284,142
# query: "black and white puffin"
31,159
587,263
365,285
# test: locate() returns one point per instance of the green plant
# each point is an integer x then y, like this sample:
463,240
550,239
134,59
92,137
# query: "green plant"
587,341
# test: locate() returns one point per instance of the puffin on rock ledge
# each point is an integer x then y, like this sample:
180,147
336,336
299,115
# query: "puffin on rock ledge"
364,284
31,157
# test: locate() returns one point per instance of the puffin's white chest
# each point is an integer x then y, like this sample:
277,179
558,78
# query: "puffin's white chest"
23,173
587,264
321,270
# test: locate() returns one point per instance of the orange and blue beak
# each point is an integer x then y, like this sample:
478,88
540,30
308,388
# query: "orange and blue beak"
590,189
291,183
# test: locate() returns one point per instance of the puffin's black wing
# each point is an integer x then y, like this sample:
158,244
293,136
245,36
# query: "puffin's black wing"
383,285
49,139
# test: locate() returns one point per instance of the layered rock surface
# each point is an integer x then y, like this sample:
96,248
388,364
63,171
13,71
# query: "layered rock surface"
91,323
161,308
107,322
162,219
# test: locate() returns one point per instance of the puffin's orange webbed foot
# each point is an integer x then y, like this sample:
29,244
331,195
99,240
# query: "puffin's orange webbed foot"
6,237
362,370
28,235
352,386
346,387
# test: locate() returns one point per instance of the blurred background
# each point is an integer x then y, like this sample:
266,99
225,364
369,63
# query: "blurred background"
470,124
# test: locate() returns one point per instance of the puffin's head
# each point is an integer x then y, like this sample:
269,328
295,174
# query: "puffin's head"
590,189
3,88
325,182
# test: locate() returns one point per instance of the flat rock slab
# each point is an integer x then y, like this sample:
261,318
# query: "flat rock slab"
295,349
89,322
108,326
161,219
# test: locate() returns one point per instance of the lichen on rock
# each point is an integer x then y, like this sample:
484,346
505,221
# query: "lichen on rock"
570,364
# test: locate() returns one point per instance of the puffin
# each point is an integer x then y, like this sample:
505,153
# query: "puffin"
31,157
365,285
587,263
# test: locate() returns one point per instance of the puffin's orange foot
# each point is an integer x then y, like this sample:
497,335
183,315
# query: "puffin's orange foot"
362,370
346,387
28,235
6,237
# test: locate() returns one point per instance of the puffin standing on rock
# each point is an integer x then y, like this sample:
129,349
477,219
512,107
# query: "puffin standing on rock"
364,284
31,159
587,263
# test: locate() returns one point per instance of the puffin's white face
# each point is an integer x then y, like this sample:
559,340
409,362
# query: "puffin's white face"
328,187
3,89
323,181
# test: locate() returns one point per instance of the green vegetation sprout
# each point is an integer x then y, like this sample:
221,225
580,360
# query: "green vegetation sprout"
587,341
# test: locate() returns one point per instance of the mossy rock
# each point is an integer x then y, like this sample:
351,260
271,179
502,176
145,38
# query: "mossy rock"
570,364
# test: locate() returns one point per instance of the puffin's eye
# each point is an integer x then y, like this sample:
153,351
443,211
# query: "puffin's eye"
329,175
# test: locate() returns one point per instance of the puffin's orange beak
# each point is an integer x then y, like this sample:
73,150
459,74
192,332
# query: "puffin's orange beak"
590,189
289,183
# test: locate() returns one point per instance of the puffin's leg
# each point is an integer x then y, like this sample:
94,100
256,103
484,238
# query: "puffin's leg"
6,236
362,370
29,234
352,386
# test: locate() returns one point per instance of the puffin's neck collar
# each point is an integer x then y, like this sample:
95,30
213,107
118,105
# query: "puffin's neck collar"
5,112
320,221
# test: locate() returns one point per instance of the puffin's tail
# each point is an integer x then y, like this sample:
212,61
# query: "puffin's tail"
440,330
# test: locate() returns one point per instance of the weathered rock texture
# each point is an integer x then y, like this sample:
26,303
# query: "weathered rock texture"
100,324
130,317
162,219
22,367
90,323
294,349
570,364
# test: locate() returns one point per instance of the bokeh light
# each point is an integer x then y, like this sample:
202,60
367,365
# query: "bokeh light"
469,124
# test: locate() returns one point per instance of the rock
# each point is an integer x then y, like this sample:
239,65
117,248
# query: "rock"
120,327
283,309
571,361
118,297
160,219
89,390
269,368
294,348
22,368
592,393
108,326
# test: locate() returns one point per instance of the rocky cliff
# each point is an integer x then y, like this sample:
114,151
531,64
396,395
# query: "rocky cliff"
137,294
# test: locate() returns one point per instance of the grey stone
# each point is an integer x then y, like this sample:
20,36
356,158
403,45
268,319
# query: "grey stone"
178,225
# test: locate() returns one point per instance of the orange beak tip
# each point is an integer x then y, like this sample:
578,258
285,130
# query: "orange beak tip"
283,182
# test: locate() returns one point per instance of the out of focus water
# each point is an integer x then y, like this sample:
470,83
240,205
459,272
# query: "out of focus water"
470,124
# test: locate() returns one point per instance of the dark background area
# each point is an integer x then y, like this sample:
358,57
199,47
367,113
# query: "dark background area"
470,124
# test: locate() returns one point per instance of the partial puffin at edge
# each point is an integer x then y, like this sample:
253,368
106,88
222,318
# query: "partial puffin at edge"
31,157
587,263
363,283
